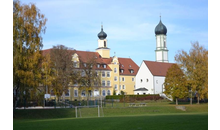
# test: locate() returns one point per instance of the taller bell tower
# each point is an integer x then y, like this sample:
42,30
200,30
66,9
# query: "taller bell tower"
161,43
102,49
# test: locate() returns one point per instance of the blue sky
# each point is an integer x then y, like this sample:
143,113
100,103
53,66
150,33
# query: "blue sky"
129,25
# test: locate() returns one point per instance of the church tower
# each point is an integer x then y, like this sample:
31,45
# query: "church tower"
102,49
161,43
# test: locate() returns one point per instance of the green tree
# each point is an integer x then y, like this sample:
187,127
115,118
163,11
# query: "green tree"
175,83
195,66
28,27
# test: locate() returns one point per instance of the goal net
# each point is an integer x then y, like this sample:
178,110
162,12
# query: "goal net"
88,111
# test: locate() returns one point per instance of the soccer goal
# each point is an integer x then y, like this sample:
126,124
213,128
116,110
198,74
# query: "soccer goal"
89,111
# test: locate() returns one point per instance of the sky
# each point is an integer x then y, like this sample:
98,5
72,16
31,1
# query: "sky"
129,25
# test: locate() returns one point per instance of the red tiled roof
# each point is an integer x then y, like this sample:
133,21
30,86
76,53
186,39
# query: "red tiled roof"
85,56
127,64
158,68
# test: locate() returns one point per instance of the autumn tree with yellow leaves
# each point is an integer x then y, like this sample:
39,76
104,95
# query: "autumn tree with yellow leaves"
194,64
28,27
175,83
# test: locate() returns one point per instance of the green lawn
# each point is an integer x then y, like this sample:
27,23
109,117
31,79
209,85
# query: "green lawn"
155,116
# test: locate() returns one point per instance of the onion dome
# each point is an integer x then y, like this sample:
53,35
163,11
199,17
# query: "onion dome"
160,29
102,35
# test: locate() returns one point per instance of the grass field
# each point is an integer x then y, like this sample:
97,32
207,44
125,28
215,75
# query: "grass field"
155,116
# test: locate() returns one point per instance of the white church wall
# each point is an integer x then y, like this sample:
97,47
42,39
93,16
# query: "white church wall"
144,79
158,82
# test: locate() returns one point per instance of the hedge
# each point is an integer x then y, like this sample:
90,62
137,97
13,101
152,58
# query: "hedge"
135,97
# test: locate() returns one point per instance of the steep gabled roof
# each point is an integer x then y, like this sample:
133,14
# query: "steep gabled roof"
158,68
127,64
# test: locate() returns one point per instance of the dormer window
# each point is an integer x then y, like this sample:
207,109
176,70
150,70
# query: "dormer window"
98,65
104,65
122,71
75,64
84,64
132,71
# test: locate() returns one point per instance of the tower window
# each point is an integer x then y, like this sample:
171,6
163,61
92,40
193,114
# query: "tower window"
104,43
164,43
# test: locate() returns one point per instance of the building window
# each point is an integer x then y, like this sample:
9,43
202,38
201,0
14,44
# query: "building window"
157,81
96,93
132,71
132,79
95,83
123,79
108,74
83,73
103,92
108,92
84,64
103,73
119,87
115,78
83,94
98,65
75,64
115,70
75,93
90,93
116,87
104,65
67,93
52,93
108,83
123,86
122,71
103,82
96,73
134,87
147,80
141,80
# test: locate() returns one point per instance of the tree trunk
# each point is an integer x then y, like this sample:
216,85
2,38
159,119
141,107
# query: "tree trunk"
191,101
176,101
15,99
198,100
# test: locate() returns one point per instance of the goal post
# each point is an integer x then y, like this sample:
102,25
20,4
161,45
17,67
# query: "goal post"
89,111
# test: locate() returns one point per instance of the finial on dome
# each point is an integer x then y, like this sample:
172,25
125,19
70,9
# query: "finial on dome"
160,28
102,35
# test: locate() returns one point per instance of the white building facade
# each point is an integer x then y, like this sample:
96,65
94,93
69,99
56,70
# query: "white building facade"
150,77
